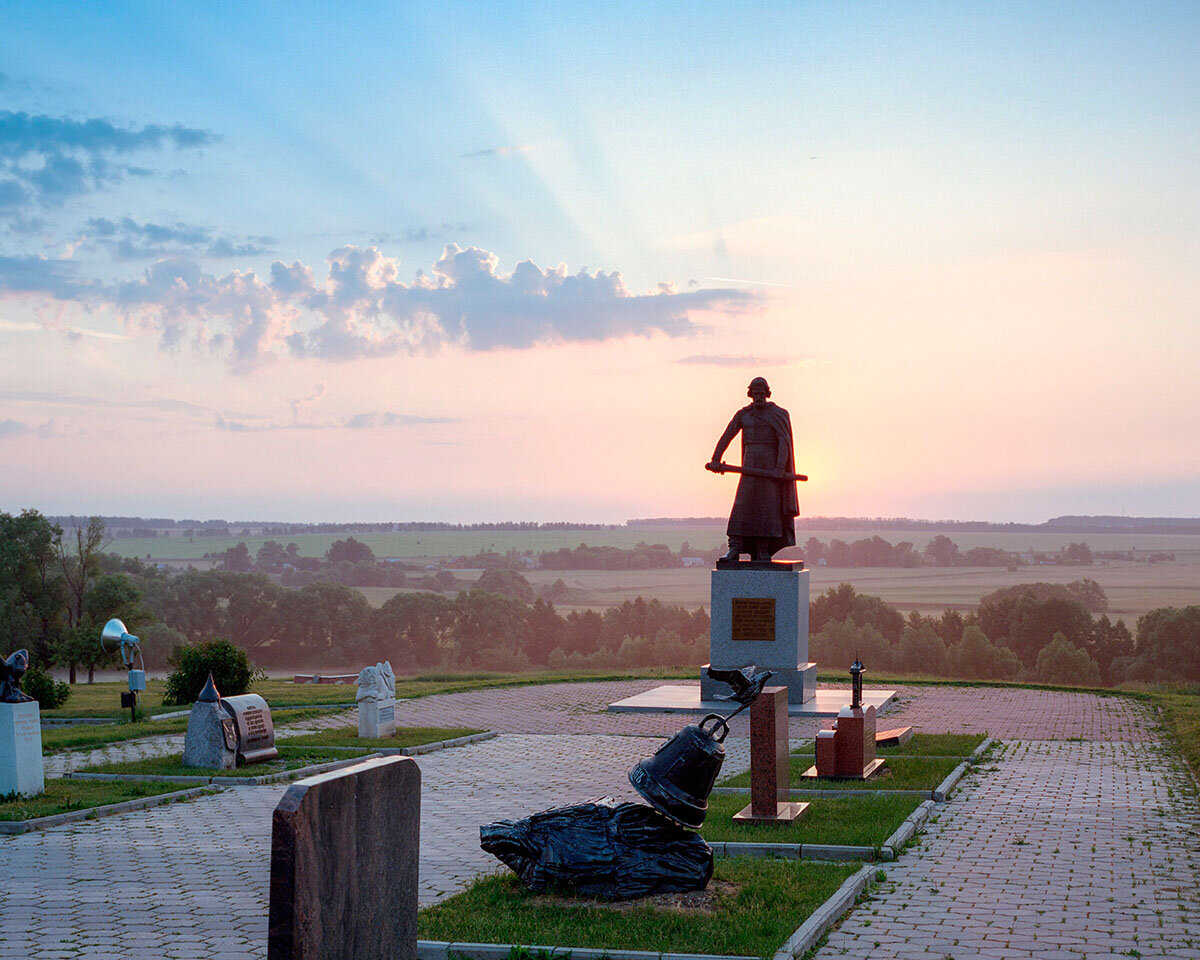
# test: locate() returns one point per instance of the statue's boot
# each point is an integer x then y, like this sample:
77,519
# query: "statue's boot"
735,550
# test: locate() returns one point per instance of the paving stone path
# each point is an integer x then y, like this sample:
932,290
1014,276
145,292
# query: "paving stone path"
1064,850
1084,818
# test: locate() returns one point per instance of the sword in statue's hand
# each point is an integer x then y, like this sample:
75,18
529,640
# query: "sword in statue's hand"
718,467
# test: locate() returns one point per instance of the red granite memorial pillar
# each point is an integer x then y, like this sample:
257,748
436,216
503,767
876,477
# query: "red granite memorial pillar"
770,789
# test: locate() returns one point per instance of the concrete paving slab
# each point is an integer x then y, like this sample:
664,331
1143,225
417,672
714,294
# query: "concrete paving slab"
670,698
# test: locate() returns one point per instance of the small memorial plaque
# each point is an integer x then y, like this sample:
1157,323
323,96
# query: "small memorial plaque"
255,732
754,619
387,714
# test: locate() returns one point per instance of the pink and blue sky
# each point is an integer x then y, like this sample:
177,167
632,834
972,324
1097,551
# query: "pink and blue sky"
466,261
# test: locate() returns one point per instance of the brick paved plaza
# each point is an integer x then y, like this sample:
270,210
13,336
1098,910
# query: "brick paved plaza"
1082,838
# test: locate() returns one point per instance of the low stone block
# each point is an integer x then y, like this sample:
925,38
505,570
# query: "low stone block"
376,718
21,749
344,855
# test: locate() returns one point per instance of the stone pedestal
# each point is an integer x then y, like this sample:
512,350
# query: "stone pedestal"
21,749
847,752
344,852
770,786
376,718
211,740
760,616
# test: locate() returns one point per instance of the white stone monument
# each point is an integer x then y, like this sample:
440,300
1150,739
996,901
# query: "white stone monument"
376,701
21,749
760,616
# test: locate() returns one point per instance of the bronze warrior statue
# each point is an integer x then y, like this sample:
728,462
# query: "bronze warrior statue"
763,519
11,672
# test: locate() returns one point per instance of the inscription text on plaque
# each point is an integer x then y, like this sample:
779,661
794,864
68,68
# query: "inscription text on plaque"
754,619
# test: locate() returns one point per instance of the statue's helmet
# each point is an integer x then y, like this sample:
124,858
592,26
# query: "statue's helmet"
758,382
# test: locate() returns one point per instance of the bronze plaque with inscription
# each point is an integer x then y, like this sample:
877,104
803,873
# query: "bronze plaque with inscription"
754,619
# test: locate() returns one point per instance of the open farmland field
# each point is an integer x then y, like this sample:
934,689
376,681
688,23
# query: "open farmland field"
1132,588
430,545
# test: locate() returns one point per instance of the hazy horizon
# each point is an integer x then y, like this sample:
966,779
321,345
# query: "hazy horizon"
464,262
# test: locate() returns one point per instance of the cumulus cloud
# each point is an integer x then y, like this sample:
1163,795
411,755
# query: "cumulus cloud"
45,160
127,239
361,308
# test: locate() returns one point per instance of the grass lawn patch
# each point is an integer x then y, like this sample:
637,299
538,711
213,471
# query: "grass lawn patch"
63,796
849,821
290,758
899,773
925,745
405,737
1181,716
57,739
755,906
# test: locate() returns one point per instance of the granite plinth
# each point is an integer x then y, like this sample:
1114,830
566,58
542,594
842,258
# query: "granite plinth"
782,813
866,773
675,698
896,737
376,718
344,853
21,768
760,617
211,739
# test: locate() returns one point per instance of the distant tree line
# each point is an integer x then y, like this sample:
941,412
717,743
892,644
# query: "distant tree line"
56,591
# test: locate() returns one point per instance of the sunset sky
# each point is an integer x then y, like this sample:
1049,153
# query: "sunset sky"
478,262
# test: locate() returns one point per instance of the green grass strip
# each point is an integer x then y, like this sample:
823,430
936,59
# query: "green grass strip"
1181,716
851,821
63,796
405,737
925,745
290,758
771,899
899,773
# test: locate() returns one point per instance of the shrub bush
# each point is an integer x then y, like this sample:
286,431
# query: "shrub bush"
48,692
230,667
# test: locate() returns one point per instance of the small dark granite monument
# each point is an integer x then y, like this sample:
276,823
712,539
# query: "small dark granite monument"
770,771
344,853
847,752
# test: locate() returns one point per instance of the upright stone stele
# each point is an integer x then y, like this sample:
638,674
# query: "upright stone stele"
211,741
376,701
21,769
344,852
770,771
847,752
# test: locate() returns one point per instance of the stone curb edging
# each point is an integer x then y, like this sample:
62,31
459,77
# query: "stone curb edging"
413,751
220,781
443,950
792,851
139,803
810,792
905,831
982,748
944,788
825,916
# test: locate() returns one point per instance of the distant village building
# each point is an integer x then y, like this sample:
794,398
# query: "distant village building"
531,563
692,561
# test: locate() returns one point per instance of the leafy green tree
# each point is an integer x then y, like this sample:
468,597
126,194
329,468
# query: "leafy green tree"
922,651
843,602
324,624
506,582
231,670
1060,661
237,559
544,630
32,591
413,629
1168,646
271,557
1025,624
839,642
79,561
349,551
1109,642
942,551
975,657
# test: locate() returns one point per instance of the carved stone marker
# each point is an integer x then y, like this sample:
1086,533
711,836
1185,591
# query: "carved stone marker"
255,732
21,749
770,786
211,740
344,852
760,616
377,701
